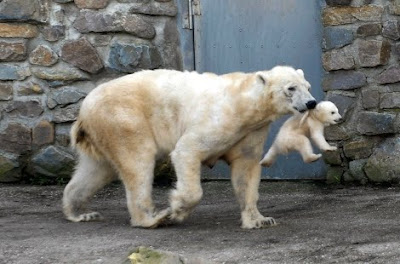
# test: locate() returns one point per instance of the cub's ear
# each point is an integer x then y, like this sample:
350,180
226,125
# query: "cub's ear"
300,71
261,78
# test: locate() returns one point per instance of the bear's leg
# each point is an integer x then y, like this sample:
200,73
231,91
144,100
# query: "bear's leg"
270,157
305,148
90,176
188,190
245,172
136,168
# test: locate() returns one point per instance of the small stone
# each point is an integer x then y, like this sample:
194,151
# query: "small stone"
66,114
368,30
99,40
13,72
384,163
22,10
27,109
335,37
16,138
82,54
359,149
336,133
370,98
344,103
334,175
91,4
53,33
13,50
9,171
8,30
63,1
43,133
92,21
52,162
356,168
397,50
60,73
29,88
64,96
390,101
136,26
63,134
338,2
337,60
391,29
372,53
133,57
43,55
390,75
344,80
371,123
333,16
332,157
394,7
155,9
6,91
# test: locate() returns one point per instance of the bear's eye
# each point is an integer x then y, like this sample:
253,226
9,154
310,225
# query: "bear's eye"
292,89
332,113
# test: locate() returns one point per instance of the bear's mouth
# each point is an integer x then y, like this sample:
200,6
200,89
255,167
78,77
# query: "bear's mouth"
299,110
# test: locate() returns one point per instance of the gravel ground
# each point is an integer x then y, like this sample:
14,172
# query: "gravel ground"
317,224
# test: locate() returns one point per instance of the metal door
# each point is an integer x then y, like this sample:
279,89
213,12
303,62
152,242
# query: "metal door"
252,35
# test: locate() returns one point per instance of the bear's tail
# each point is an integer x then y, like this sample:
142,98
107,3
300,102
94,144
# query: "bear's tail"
81,141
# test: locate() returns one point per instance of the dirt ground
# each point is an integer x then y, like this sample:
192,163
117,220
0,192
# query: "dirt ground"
317,224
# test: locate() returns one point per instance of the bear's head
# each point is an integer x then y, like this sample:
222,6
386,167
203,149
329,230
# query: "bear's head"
287,89
327,113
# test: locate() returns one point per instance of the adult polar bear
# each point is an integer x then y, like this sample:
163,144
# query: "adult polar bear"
126,124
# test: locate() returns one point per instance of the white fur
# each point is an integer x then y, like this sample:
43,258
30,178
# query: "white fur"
295,132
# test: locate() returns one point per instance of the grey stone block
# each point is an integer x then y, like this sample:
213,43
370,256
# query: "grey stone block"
344,80
371,123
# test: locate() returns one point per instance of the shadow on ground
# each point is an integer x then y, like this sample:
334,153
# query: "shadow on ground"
317,224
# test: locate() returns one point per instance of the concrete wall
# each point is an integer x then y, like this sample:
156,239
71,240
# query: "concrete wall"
361,56
52,53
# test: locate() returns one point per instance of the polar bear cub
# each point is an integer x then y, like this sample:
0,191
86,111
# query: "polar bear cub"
295,132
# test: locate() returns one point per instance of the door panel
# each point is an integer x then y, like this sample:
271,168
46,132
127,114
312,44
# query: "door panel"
237,35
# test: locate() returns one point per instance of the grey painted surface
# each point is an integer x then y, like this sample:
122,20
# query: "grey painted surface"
237,35
185,35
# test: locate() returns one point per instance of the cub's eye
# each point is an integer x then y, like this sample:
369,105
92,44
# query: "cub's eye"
292,89
332,113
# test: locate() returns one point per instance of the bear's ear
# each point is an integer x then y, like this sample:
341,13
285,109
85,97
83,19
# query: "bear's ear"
261,78
300,71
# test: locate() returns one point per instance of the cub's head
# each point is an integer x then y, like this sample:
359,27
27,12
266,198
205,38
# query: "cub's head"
327,113
289,90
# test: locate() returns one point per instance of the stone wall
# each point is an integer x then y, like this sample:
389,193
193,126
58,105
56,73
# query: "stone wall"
361,56
52,53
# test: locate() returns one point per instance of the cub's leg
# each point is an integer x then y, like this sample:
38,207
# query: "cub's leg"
246,172
270,157
319,139
90,176
188,190
303,145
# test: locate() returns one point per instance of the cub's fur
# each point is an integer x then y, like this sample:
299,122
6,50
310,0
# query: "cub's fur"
295,132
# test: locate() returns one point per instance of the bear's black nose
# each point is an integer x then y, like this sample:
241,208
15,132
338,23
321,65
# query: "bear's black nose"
311,104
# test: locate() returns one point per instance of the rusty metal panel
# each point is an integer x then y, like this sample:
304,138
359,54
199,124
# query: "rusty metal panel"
252,35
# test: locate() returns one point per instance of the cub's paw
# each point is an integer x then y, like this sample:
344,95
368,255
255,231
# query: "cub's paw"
312,158
330,148
266,162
